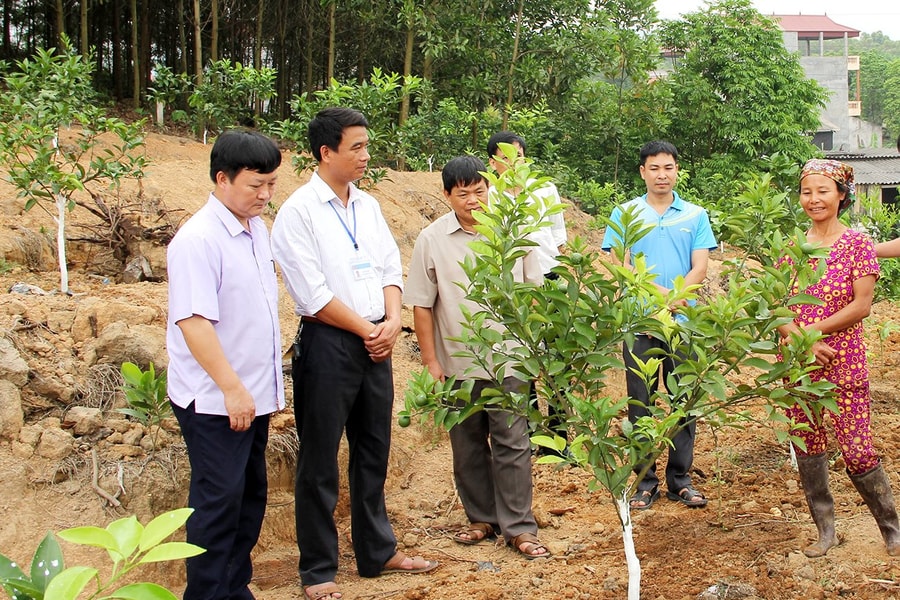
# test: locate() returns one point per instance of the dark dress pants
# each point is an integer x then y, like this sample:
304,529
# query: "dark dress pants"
681,453
336,387
228,494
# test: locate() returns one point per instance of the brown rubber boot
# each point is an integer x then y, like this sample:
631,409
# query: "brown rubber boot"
875,489
814,479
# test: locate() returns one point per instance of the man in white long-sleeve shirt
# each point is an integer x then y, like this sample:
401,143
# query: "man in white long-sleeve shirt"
342,267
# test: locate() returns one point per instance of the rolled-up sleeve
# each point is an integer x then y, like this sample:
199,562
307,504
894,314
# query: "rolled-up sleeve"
297,252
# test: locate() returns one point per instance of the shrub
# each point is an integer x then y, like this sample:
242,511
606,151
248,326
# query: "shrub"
128,545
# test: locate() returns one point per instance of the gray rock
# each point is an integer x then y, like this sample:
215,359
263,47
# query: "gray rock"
728,590
25,289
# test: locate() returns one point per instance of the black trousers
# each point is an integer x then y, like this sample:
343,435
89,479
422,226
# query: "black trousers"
681,453
337,387
228,494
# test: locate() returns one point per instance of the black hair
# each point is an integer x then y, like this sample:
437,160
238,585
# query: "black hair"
462,170
505,137
239,149
847,200
658,147
327,128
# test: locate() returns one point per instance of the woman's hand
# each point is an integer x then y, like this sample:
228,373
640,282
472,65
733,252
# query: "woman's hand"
823,353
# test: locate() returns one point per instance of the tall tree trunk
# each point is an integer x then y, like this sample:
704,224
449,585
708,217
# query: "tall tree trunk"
214,37
257,51
7,25
7,19
512,64
146,66
198,44
182,39
257,47
135,57
332,26
407,68
60,21
281,62
427,67
362,47
118,77
84,27
308,48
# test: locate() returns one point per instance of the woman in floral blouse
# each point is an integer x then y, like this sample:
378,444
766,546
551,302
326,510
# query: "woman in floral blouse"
845,291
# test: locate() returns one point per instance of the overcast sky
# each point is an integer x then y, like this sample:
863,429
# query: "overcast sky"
867,16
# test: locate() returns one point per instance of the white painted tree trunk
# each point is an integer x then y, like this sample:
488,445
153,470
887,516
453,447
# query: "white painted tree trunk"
631,558
61,208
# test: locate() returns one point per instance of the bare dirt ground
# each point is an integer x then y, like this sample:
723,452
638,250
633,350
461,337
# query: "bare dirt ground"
745,543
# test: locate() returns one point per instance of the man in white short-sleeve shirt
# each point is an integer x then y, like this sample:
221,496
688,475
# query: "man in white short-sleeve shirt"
224,375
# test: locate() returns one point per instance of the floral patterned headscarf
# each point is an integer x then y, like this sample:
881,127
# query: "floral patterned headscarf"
835,170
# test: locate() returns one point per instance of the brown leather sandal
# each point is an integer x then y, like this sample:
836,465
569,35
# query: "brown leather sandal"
476,532
323,591
534,545
417,564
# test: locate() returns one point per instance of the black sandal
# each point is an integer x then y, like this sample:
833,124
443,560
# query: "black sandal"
648,497
689,497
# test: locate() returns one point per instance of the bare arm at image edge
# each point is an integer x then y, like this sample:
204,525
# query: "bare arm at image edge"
423,321
889,249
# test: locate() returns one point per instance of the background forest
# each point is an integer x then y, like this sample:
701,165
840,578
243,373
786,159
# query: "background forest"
586,83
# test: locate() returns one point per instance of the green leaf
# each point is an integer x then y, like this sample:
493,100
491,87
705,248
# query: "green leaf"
127,533
90,536
69,584
47,562
171,551
143,591
21,589
163,526
9,569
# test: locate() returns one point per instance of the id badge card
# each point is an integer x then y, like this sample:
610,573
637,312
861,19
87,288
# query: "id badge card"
362,268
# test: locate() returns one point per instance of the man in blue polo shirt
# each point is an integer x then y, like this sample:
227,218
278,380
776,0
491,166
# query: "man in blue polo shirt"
678,245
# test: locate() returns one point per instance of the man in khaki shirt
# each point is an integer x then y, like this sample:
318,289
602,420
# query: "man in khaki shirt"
491,451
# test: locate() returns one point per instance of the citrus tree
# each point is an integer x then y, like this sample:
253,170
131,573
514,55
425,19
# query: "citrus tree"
129,546
56,140
568,334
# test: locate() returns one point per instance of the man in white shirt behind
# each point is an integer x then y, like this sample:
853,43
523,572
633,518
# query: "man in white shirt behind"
550,239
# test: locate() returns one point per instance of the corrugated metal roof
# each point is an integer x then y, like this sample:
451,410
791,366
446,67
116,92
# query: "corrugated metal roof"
872,166
810,26
864,153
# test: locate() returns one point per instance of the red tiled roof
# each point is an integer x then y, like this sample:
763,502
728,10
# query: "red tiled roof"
809,26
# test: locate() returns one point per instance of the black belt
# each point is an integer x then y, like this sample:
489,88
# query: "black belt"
305,319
